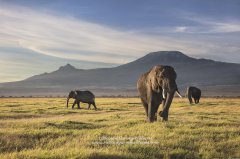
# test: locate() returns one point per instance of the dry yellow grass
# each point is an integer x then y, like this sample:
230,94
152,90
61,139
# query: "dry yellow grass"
45,128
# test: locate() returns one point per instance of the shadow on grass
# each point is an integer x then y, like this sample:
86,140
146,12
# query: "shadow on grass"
66,112
13,105
18,116
132,123
19,142
74,125
100,120
39,111
53,108
20,111
146,151
115,109
208,104
104,156
135,103
156,152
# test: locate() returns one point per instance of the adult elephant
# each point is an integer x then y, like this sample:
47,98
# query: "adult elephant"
155,87
195,93
82,96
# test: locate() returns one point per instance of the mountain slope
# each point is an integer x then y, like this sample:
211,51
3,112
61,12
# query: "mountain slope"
191,71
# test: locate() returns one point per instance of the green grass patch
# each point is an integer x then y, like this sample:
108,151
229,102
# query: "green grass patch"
45,128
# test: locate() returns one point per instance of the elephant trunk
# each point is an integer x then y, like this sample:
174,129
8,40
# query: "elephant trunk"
166,106
67,101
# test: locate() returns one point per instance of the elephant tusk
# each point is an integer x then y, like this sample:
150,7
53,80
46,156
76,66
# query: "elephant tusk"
163,94
179,94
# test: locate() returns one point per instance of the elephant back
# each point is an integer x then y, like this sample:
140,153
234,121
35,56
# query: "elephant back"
85,96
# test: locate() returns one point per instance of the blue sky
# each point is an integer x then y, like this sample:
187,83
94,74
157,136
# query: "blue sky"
39,36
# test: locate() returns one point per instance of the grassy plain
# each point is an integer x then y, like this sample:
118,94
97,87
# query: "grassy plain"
45,128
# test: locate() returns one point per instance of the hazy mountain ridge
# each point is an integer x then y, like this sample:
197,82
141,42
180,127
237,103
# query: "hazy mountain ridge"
191,71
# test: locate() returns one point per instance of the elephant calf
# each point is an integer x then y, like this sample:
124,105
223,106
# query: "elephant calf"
82,96
195,93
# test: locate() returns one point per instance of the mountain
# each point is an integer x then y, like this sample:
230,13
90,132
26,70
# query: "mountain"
215,78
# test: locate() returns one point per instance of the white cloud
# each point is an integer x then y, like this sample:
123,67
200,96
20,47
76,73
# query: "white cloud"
181,29
226,28
207,25
76,39
70,38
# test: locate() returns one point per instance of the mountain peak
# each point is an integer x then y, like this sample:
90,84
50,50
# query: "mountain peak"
67,67
163,57
173,54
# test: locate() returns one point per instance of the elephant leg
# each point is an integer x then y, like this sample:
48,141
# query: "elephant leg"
78,104
95,107
155,112
153,106
190,100
89,105
74,103
145,105
195,100
165,117
163,103
152,111
198,100
164,114
190,97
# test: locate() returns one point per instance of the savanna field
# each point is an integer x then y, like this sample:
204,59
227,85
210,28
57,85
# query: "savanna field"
45,128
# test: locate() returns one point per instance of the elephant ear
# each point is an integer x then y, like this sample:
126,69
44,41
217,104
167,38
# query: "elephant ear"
169,72
74,94
155,78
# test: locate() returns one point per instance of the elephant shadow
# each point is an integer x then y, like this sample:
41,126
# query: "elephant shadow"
74,125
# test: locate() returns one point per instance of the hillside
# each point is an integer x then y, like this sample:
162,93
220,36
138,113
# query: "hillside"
205,73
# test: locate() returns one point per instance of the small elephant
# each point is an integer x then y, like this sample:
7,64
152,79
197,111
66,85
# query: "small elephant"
82,96
195,93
